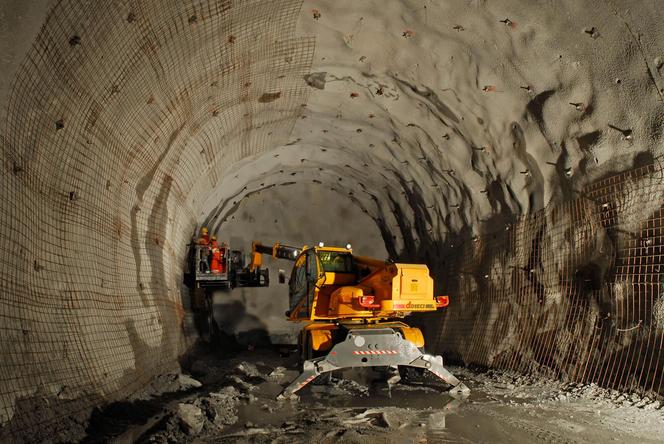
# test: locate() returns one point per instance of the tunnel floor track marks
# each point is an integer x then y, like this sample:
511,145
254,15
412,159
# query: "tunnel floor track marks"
538,434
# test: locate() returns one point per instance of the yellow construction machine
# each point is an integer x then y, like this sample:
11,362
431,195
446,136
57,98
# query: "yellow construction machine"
352,307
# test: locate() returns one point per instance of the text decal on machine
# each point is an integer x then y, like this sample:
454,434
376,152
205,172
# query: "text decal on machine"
412,306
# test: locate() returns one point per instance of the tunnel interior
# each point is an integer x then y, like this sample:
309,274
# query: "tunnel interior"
512,148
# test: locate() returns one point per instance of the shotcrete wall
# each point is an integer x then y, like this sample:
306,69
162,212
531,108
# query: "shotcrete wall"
120,118
126,124
575,291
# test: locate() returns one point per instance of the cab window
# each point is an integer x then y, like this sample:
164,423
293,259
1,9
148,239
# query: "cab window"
336,262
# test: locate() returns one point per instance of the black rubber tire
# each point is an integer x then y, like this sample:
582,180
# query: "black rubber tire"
324,379
385,372
411,375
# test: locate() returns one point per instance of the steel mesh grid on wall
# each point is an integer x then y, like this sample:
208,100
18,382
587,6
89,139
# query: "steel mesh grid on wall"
121,114
574,292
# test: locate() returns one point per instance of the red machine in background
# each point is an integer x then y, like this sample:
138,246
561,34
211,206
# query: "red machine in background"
215,265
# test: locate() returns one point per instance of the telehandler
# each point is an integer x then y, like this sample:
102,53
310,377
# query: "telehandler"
351,308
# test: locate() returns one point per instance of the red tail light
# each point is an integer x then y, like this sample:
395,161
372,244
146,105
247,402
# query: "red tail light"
368,302
442,301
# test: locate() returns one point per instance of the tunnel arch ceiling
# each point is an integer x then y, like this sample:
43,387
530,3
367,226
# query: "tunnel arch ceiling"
122,118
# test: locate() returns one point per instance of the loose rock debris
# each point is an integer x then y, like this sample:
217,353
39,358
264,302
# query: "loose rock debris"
234,400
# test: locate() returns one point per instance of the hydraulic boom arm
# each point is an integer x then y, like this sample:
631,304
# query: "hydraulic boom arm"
277,251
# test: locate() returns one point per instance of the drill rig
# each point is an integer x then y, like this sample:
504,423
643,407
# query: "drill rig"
351,308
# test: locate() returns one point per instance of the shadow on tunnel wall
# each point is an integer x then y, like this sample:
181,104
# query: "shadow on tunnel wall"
231,315
573,292
225,326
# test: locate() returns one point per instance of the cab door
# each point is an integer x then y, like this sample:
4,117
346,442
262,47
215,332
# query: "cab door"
306,276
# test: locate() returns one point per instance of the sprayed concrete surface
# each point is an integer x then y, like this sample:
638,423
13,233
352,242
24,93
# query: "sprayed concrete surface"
126,125
236,403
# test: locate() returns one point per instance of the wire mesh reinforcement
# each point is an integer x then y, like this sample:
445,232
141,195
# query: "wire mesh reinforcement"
125,112
120,116
575,291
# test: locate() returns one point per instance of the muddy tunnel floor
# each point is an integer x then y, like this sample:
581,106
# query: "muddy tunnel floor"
234,400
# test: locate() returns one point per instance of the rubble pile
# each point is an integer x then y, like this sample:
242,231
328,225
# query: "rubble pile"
513,386
234,399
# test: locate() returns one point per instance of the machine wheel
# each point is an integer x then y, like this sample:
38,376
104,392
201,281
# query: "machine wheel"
412,375
386,372
306,353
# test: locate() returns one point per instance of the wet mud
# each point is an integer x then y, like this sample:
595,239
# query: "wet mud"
236,402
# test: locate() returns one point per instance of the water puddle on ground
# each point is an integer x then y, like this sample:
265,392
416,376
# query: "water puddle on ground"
238,404
354,401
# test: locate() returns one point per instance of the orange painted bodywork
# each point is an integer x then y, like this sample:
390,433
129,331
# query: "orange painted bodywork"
333,297
398,290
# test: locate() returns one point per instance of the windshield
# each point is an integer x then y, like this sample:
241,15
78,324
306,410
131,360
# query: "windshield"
336,262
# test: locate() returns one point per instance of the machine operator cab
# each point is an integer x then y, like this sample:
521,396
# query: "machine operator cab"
328,284
316,273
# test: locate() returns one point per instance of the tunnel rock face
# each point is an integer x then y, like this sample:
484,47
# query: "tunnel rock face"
120,117
483,138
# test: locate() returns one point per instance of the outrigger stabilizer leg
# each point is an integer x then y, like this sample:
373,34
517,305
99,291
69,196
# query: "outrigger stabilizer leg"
372,348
